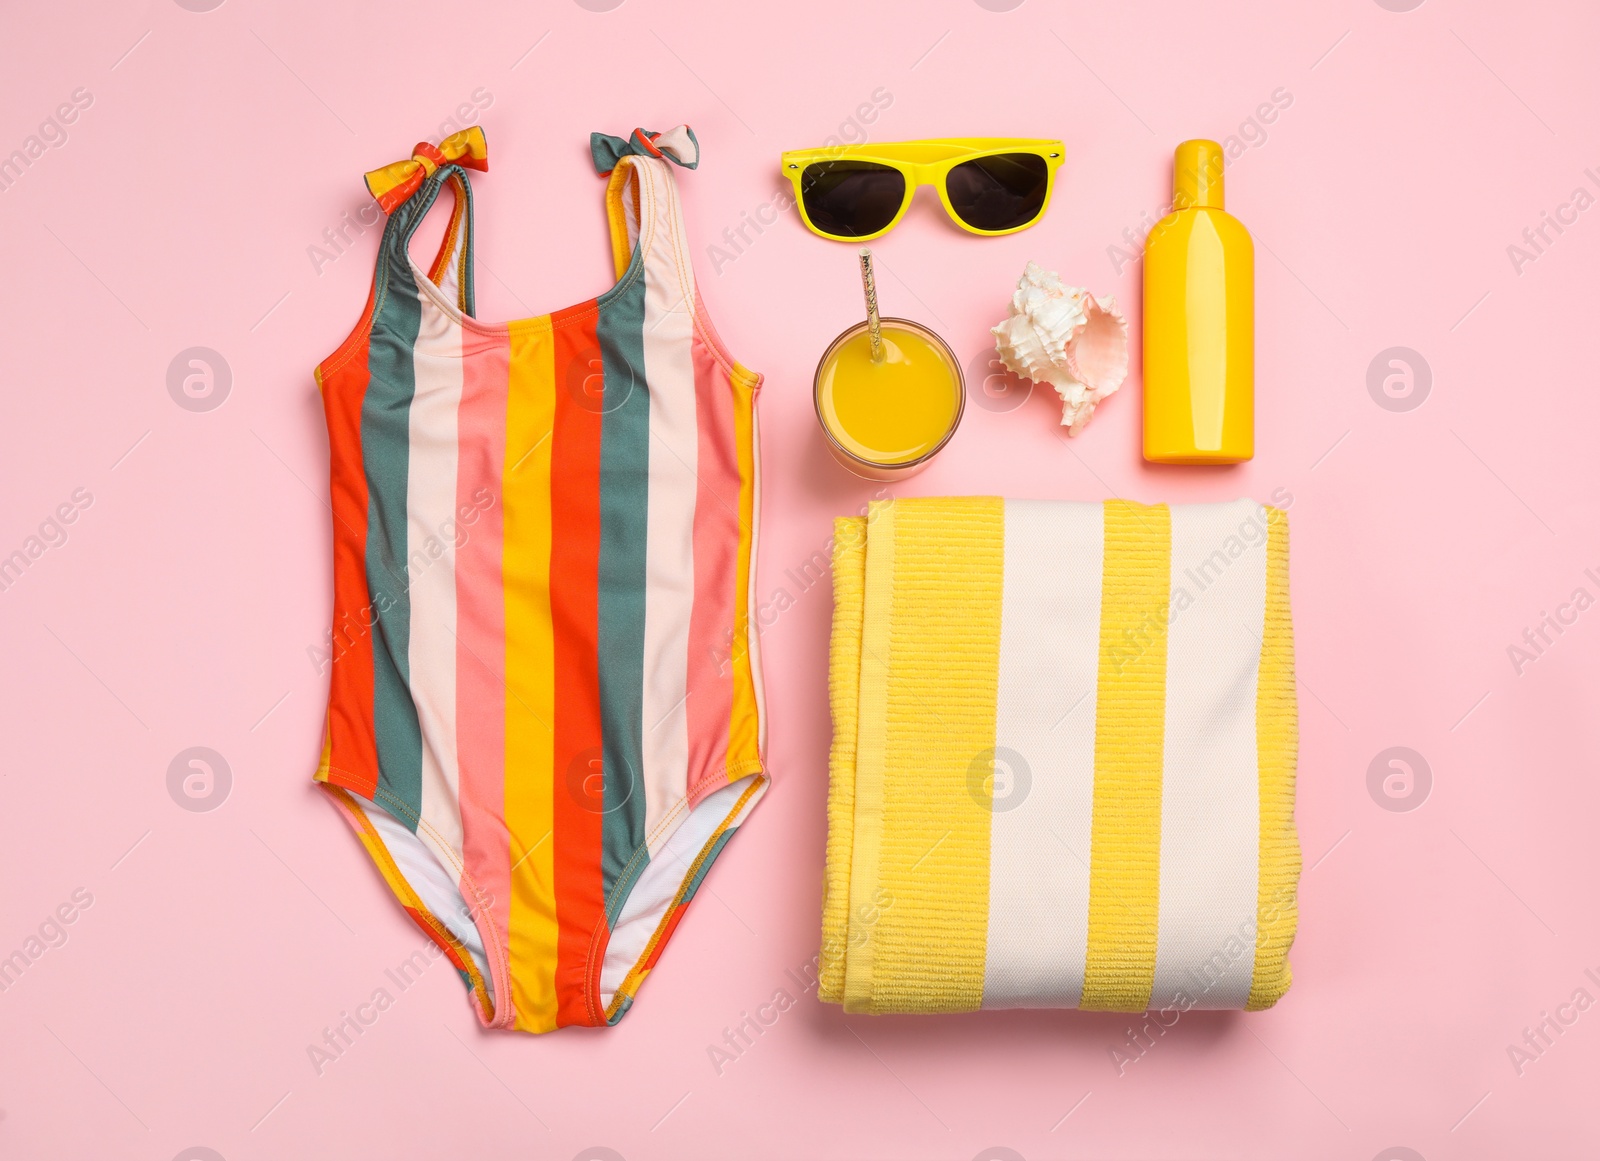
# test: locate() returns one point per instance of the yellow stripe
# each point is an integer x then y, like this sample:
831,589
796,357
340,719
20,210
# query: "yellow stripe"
1130,715
933,609
872,725
530,673
1277,741
844,689
381,181
744,727
325,763
621,248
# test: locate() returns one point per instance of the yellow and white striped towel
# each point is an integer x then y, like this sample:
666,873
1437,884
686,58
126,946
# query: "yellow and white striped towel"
1063,758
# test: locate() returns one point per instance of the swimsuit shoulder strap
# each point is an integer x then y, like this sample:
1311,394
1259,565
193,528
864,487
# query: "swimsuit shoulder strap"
642,204
407,190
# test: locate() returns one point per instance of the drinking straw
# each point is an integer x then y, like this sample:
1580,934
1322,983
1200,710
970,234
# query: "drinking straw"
874,329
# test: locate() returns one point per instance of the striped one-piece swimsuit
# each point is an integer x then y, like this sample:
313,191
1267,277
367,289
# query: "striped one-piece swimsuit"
545,718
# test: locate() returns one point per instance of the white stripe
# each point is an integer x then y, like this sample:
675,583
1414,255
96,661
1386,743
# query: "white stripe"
1210,796
431,529
1044,748
669,544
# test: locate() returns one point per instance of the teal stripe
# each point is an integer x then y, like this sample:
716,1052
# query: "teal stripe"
469,280
622,1010
386,458
624,490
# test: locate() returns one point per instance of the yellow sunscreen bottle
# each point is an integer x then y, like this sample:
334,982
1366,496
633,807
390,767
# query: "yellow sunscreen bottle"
1199,322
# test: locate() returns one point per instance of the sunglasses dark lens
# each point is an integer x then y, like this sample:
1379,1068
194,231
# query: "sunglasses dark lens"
1000,192
851,199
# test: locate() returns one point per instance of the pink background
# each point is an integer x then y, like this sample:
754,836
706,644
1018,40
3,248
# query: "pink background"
180,610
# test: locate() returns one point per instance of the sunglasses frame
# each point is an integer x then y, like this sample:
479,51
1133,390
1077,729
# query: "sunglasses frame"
921,163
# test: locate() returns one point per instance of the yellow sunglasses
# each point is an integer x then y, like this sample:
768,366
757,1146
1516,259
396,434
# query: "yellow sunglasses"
989,185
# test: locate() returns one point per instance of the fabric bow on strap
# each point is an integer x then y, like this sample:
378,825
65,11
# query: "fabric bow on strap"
678,146
393,184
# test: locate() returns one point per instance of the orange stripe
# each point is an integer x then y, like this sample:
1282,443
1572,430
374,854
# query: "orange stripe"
352,758
575,616
452,232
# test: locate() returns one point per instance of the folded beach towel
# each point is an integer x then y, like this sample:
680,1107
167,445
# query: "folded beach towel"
1063,758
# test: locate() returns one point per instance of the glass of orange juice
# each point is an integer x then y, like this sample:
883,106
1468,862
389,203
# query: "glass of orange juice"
889,394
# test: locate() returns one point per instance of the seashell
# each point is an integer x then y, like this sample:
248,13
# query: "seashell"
1045,316
1067,337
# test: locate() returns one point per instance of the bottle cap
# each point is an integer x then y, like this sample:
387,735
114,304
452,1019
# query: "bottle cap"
1197,175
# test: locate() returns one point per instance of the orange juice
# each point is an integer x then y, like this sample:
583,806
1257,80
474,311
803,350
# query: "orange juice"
886,419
